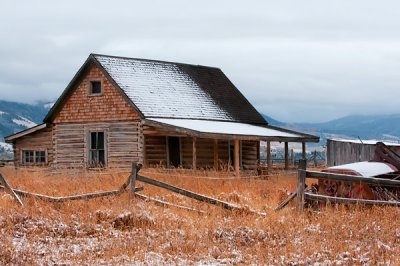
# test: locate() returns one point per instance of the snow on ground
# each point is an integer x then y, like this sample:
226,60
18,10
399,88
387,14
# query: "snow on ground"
5,146
24,122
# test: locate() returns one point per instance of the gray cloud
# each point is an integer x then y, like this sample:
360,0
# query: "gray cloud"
294,60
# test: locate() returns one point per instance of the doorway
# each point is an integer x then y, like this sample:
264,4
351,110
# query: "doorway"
174,151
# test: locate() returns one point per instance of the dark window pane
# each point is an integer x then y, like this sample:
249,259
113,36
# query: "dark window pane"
28,157
96,87
93,140
101,157
40,156
100,140
97,149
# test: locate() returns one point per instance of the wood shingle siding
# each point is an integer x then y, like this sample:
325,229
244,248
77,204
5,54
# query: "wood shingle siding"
81,106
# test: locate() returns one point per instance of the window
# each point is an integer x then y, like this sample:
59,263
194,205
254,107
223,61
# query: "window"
95,87
40,156
96,149
34,157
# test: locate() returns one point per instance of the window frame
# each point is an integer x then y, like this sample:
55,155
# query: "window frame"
34,155
91,82
91,165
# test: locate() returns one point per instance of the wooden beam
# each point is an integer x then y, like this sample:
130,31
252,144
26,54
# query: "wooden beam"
10,190
311,196
194,154
269,159
303,150
286,155
215,154
237,170
301,184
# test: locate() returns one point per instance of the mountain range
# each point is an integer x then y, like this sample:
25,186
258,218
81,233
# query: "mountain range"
15,117
379,127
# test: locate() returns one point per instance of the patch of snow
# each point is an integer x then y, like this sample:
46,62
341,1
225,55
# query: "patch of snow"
367,169
219,127
24,122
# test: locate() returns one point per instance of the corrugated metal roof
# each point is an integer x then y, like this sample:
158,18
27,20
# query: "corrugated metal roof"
174,90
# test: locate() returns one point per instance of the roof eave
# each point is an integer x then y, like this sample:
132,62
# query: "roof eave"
195,133
11,138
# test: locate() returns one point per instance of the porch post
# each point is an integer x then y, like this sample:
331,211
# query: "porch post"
269,159
194,155
303,150
215,154
286,155
237,170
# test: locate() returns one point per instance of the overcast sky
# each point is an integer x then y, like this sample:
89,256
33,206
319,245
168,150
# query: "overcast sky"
296,61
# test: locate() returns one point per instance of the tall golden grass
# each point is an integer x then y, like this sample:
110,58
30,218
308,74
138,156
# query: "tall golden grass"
125,230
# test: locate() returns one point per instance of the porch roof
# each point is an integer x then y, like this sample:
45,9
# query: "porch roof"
229,130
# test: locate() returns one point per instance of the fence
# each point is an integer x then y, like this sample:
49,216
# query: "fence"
302,194
130,182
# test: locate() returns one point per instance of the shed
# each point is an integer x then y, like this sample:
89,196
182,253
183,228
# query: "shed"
345,151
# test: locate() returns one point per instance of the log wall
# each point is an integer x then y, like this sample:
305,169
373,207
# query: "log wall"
155,151
122,143
39,140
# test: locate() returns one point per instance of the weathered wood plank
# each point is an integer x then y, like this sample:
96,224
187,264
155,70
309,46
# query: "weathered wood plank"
10,190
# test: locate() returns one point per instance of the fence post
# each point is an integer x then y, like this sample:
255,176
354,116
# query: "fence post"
133,177
301,182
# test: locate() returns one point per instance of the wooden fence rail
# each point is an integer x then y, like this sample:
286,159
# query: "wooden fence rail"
303,174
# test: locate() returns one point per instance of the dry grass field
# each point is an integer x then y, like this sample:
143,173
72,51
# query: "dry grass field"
123,230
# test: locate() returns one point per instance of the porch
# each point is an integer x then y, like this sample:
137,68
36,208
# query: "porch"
218,145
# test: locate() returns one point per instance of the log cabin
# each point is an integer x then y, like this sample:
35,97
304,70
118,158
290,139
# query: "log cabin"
119,110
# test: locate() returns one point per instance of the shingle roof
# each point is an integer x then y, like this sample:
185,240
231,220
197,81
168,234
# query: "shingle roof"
174,90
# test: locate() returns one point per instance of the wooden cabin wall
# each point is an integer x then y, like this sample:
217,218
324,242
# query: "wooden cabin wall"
249,155
39,140
155,151
123,143
205,152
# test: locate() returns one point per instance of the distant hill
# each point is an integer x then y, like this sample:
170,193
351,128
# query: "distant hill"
15,116
380,127
272,121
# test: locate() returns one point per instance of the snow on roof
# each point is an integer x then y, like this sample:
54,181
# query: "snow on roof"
221,127
160,89
367,169
174,90
368,142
